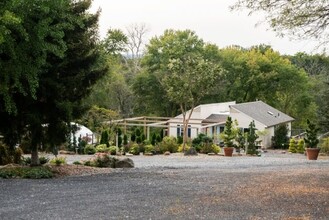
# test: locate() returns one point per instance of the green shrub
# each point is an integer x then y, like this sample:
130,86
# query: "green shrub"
280,139
88,163
58,161
77,163
113,150
200,140
43,160
141,148
210,148
134,149
18,155
324,145
292,146
27,161
103,160
90,149
126,148
149,148
180,148
4,156
37,173
169,144
10,156
300,146
26,172
102,148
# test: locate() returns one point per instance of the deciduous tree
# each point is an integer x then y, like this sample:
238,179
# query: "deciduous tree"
303,19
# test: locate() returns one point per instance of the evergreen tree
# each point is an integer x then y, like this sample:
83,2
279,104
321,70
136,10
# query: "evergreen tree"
72,65
280,138
251,139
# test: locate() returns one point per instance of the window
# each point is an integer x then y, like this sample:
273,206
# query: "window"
180,131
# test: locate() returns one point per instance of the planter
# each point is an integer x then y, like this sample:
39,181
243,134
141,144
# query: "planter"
228,151
312,153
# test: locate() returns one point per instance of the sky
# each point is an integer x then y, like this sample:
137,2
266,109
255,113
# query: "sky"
212,20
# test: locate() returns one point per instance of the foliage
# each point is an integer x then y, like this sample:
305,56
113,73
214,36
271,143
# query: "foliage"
299,18
324,146
280,138
262,73
134,149
210,148
311,138
4,157
102,148
300,146
323,112
201,139
251,139
125,139
54,65
8,155
95,116
180,69
113,150
229,132
180,148
90,149
115,41
149,148
81,146
292,146
133,137
26,172
153,139
103,160
240,140
168,144
77,163
26,161
105,138
43,160
58,161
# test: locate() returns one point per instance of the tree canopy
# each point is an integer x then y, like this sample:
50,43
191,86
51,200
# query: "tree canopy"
70,63
301,18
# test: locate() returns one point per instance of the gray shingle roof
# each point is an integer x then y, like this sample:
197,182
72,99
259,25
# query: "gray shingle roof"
263,113
215,118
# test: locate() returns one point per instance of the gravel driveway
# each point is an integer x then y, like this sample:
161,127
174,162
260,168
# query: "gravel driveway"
273,186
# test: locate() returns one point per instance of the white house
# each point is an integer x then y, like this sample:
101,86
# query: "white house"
208,118
266,118
211,118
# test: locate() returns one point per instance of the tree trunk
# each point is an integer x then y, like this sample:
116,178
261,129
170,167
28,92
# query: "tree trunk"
185,124
34,156
184,132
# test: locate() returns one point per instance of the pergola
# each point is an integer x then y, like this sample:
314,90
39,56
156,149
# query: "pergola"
158,122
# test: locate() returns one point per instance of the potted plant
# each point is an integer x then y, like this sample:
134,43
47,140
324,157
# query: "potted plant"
311,141
228,137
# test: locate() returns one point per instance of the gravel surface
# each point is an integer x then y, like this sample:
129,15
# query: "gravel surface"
274,186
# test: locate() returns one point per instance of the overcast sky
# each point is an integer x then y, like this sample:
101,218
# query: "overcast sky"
212,21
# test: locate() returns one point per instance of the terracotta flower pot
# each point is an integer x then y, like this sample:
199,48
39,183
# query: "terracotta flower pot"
312,153
228,151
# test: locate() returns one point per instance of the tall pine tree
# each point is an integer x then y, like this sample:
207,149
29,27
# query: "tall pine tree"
64,79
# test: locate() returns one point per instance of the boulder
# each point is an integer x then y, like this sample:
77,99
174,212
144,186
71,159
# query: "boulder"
167,153
124,163
191,152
